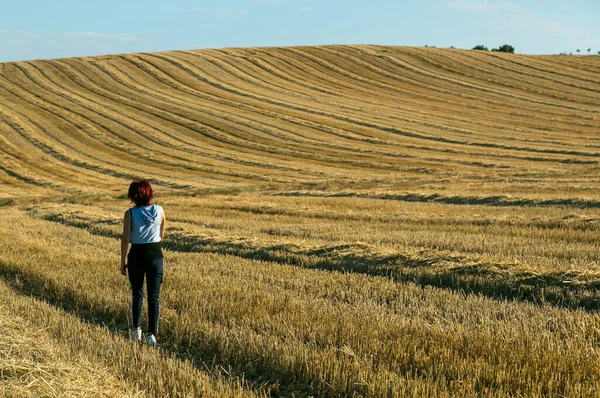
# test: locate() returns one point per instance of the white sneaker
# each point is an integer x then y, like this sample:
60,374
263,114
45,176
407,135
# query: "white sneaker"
151,340
136,334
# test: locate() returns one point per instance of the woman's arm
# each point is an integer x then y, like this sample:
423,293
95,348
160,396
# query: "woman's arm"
163,225
125,242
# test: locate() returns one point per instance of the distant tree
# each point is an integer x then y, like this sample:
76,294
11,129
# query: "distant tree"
598,52
589,50
480,47
578,51
506,48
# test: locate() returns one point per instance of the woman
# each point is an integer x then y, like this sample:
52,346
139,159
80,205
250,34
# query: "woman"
144,228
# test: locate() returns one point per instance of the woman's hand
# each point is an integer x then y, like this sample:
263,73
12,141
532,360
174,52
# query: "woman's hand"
123,269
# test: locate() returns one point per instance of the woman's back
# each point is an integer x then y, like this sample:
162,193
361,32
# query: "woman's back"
145,224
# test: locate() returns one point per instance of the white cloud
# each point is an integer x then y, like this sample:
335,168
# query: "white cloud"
13,31
305,9
265,1
484,6
545,26
101,36
24,36
218,10
514,18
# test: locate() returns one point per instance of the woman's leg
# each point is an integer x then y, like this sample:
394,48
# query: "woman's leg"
136,278
154,277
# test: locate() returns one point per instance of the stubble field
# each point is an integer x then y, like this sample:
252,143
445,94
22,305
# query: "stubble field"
342,221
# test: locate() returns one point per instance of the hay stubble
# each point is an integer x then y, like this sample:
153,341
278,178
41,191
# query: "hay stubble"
344,220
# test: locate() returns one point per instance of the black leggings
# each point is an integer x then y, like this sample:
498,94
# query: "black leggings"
145,260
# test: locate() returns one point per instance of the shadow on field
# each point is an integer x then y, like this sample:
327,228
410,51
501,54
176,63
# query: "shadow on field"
461,274
490,280
493,281
206,353
495,201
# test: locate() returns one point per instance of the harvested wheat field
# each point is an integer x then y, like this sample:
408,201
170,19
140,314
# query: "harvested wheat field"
342,221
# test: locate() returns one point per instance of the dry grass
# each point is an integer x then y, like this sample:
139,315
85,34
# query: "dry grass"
539,254
315,332
359,120
343,221
33,364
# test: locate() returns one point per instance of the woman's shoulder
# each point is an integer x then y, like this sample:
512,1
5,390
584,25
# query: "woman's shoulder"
159,208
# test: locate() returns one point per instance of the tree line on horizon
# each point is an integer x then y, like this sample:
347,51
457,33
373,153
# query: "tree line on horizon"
505,48
589,50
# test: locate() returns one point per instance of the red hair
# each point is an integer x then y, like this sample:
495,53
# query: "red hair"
140,193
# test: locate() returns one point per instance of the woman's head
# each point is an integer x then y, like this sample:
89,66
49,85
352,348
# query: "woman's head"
140,193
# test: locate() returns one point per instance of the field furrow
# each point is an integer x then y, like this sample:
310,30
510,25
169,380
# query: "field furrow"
356,220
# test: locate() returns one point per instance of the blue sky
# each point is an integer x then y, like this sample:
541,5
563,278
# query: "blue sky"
67,28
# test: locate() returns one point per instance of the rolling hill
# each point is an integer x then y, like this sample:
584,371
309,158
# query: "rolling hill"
342,221
331,119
